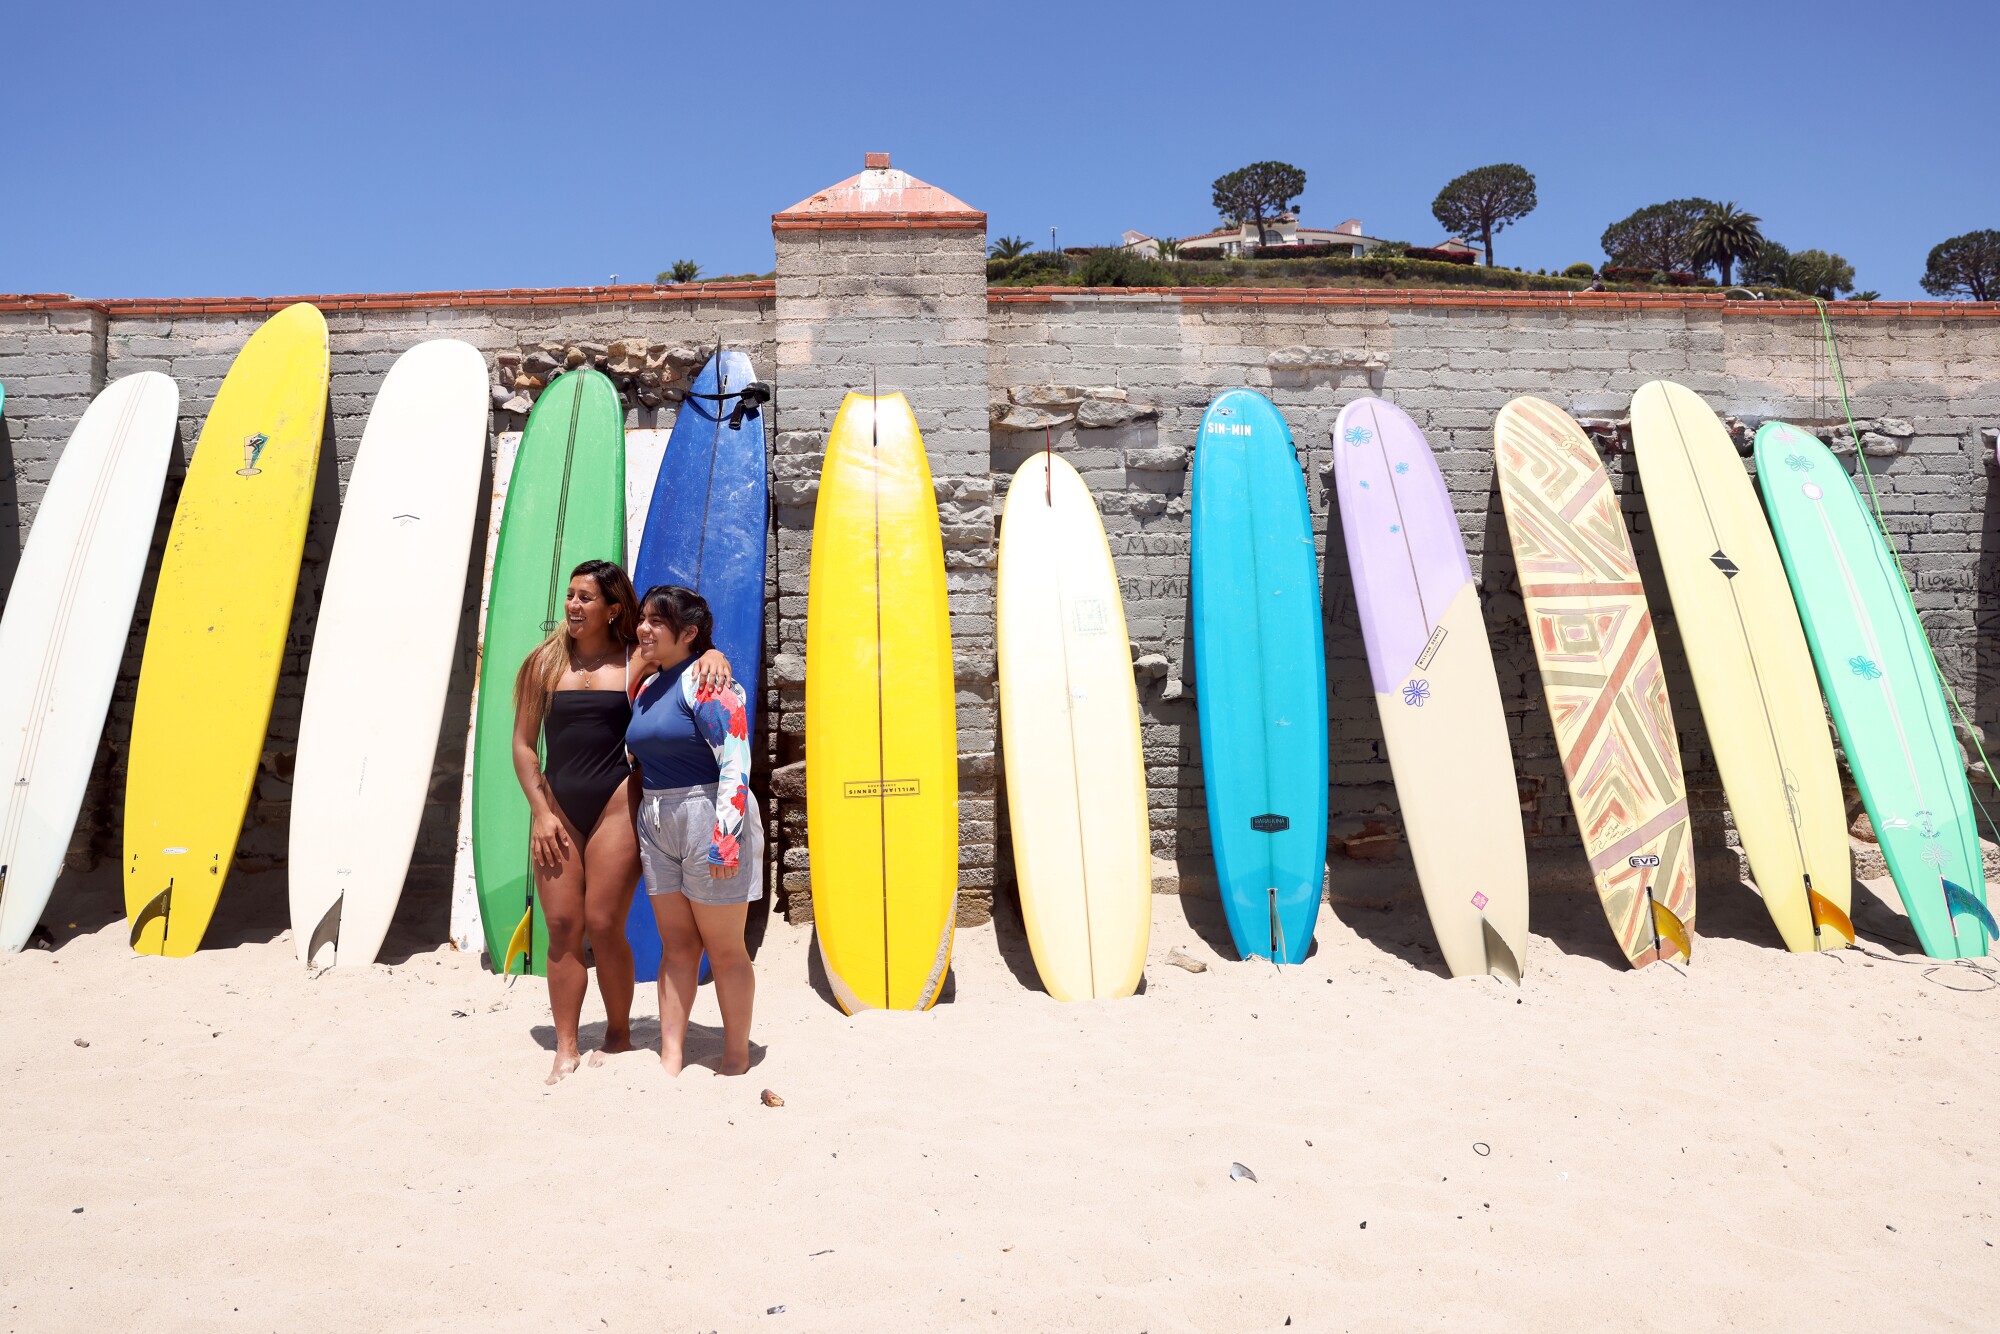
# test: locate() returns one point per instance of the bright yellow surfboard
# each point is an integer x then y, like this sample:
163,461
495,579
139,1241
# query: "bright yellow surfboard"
217,634
881,720
1747,652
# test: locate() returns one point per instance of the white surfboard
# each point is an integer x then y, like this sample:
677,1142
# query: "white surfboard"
63,634
382,654
468,933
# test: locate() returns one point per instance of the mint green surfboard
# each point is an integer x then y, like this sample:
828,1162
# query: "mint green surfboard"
1875,667
565,505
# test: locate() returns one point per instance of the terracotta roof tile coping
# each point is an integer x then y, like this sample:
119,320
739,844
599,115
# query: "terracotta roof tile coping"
632,293
879,196
1492,299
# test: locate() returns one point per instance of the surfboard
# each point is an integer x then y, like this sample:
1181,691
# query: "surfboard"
1435,687
1600,665
881,719
1260,672
216,638
1752,671
565,505
1069,729
706,529
63,633
366,750
1881,685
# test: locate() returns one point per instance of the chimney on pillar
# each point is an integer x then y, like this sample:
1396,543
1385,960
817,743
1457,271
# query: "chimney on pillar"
875,162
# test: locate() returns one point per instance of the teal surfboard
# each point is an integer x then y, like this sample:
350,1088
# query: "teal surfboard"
1875,668
1260,676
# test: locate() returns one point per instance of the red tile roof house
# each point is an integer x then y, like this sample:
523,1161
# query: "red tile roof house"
1279,232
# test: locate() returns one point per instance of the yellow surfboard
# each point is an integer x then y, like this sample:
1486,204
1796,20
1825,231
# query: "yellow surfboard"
217,635
1747,652
881,721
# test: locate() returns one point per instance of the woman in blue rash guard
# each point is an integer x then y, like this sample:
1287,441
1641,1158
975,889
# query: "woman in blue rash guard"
700,834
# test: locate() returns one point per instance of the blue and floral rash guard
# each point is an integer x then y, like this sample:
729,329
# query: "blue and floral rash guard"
686,736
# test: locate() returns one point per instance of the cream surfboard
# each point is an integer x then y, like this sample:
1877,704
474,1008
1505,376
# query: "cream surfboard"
1435,688
1752,670
369,727
217,635
1069,727
63,634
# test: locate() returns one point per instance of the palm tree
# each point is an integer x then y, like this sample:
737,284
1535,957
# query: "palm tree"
1724,235
1011,247
1169,250
683,271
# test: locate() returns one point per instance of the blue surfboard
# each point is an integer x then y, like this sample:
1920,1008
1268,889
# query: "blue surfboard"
1260,676
706,529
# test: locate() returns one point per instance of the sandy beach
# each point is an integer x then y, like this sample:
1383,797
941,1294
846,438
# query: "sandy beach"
1767,1140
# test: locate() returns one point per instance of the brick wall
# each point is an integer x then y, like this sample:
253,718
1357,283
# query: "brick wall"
55,354
1134,370
1452,362
900,304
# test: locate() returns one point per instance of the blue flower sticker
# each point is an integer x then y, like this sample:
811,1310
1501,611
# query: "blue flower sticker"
1864,667
1358,435
1798,463
1415,693
1402,467
1364,485
1395,527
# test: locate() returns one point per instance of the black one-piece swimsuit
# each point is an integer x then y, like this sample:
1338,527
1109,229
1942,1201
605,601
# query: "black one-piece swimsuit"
584,735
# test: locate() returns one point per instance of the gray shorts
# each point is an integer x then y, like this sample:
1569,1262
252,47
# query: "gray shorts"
676,826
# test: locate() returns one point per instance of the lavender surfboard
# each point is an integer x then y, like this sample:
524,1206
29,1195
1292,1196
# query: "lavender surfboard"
1432,668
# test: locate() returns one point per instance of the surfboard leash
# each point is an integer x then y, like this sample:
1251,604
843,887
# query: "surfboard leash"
1875,503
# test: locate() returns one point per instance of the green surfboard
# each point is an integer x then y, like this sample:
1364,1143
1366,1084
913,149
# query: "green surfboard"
1875,667
565,505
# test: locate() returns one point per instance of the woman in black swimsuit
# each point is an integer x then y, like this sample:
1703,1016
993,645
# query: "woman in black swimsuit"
570,696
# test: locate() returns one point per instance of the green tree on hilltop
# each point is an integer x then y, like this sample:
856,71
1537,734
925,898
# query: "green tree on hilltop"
1260,191
1725,235
1819,273
1484,200
1659,236
683,271
1967,266
1011,247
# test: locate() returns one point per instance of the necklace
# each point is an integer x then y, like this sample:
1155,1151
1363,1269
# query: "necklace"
585,672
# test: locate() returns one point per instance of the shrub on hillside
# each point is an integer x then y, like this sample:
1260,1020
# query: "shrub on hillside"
1579,270
1113,267
1626,273
1436,256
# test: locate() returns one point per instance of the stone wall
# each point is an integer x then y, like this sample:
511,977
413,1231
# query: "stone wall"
56,353
1117,382
1452,362
901,307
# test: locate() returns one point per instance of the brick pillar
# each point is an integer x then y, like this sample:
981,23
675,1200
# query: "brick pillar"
885,276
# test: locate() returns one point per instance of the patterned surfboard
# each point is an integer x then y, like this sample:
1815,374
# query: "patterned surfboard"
1607,696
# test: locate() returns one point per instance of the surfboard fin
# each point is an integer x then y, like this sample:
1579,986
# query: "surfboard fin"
1959,900
518,946
157,908
1672,928
327,932
1827,913
1500,958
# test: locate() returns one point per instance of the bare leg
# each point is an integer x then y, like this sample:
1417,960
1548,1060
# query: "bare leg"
680,965
560,889
721,931
611,873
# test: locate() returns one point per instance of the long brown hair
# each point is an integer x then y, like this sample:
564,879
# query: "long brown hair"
542,670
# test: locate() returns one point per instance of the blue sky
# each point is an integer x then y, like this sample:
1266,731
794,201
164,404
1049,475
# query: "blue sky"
205,149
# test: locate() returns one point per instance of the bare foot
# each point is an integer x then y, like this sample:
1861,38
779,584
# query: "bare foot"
612,1046
734,1064
565,1064
670,1060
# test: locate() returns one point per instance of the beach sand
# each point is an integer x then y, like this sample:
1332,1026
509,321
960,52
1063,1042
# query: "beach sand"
1766,1140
